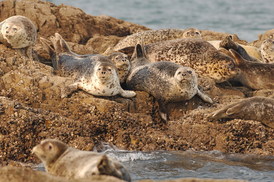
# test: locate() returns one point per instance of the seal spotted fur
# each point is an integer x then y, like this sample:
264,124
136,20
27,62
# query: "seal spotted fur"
61,160
267,51
195,53
255,108
19,32
95,74
120,60
165,81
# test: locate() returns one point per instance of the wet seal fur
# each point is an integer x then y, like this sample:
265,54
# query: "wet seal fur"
62,160
254,75
165,81
18,32
228,43
195,53
267,50
95,74
255,108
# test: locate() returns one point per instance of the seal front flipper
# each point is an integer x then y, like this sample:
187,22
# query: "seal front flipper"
69,89
205,97
127,93
163,110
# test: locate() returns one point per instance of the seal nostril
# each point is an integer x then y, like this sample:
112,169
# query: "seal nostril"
7,31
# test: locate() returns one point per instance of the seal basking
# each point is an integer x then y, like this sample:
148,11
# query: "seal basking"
95,74
228,43
253,74
120,60
18,32
61,160
195,53
267,50
192,33
165,81
255,108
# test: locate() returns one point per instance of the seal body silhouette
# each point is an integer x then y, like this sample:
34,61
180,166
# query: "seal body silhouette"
62,160
165,81
195,53
255,108
19,32
95,74
254,75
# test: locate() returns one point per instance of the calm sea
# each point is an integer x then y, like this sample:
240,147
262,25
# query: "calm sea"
246,18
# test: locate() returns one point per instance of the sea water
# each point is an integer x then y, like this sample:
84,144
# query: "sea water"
246,18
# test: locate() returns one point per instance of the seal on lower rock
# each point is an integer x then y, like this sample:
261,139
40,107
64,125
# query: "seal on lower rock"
254,108
195,53
61,160
254,75
95,74
165,81
267,50
18,32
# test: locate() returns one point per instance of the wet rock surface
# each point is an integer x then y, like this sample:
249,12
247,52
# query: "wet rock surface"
31,108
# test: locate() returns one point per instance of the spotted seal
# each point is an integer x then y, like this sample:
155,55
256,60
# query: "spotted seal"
18,32
62,160
195,53
267,51
192,33
165,81
120,60
254,108
228,43
95,74
253,74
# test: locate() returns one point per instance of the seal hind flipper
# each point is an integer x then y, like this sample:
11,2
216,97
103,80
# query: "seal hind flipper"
238,59
63,44
47,45
69,89
204,97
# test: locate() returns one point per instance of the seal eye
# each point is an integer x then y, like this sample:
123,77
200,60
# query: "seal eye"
197,33
99,69
15,29
189,72
179,73
109,69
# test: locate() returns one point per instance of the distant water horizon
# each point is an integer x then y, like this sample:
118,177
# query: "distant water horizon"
247,18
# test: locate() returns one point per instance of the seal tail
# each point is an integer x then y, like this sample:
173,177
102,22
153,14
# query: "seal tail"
47,45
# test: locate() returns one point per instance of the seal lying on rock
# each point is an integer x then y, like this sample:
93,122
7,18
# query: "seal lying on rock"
165,81
18,32
255,108
228,43
61,160
253,74
57,43
95,74
267,51
192,33
195,53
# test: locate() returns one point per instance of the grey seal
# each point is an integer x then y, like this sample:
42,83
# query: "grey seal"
254,75
19,32
62,160
195,53
95,74
165,81
254,108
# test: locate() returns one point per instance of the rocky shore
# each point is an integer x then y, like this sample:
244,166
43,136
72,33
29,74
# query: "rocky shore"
31,108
